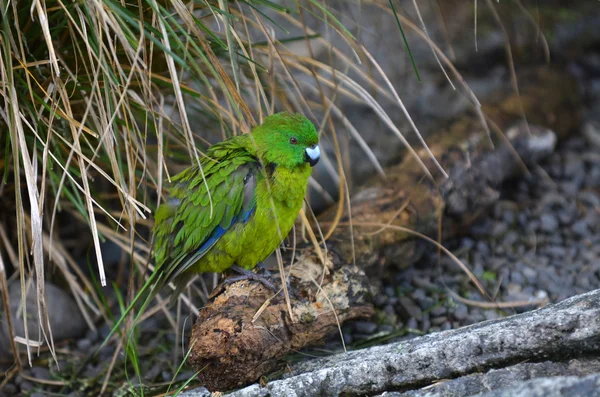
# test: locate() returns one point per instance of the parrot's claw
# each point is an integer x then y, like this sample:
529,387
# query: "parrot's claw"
249,275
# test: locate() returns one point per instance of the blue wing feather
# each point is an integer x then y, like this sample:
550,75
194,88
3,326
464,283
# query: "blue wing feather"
245,212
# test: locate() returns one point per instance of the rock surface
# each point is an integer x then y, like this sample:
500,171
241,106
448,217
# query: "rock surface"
566,329
66,320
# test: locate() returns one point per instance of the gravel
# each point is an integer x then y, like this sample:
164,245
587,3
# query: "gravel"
540,241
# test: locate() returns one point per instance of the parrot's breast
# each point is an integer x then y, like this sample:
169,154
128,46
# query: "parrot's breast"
279,199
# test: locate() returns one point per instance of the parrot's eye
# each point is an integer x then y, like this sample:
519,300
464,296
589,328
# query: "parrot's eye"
293,141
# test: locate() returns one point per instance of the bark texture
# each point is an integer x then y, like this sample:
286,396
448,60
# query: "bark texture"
245,331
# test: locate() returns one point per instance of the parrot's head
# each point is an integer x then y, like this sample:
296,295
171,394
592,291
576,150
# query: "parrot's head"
288,140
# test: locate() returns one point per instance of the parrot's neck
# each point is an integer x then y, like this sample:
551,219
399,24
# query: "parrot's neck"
288,185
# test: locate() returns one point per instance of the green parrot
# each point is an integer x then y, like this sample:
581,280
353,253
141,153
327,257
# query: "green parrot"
235,210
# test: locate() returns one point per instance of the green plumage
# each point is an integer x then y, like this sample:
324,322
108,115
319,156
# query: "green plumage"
256,183
237,207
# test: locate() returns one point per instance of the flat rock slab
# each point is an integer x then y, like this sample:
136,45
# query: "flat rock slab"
565,330
508,378
558,386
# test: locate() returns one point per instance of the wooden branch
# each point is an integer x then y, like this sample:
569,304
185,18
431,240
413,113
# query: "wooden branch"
244,331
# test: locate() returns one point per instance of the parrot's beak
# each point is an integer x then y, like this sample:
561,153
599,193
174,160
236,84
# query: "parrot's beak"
312,155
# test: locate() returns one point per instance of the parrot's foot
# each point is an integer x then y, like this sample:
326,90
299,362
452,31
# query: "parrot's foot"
249,275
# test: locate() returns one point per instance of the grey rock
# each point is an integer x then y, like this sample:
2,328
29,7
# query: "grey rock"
560,386
505,378
10,389
530,274
26,386
364,327
40,373
571,187
84,344
461,311
499,229
425,324
409,308
198,392
65,318
438,311
558,330
412,323
580,228
548,223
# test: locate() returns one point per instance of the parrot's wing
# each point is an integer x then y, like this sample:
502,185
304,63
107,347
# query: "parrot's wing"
192,221
197,226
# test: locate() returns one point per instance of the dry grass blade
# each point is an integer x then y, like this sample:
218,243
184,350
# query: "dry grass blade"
498,305
86,188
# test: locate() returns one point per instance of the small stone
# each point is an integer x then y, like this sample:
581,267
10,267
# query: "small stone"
468,243
10,389
571,188
530,274
26,386
590,198
364,327
92,335
565,217
438,311
508,217
580,228
84,344
412,323
409,308
426,303
380,300
491,315
461,312
386,328
389,310
574,165
499,229
548,223
510,238
439,320
517,278
513,289
483,248
104,331
425,324
446,326
40,373
556,251
347,338
37,394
